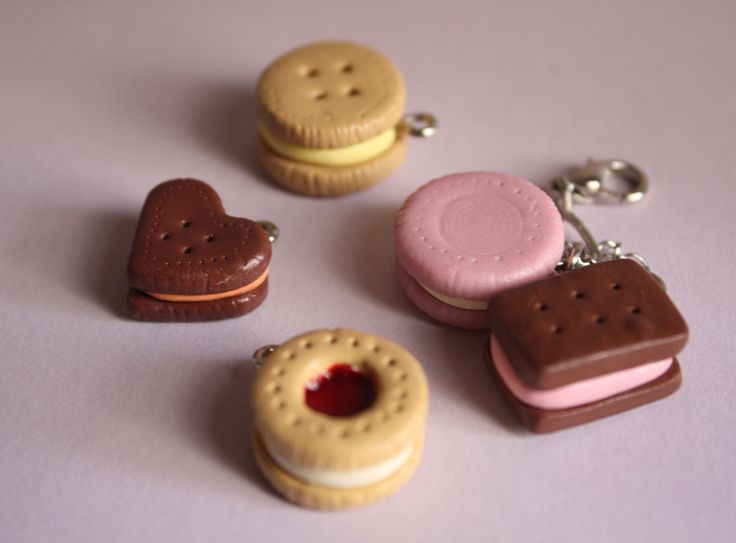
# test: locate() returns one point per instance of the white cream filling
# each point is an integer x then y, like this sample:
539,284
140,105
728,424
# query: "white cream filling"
338,478
462,303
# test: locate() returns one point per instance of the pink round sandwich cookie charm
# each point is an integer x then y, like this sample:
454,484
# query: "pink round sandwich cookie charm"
464,237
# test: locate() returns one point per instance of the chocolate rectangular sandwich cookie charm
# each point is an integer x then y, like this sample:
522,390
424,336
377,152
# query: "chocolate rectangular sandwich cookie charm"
598,338
584,345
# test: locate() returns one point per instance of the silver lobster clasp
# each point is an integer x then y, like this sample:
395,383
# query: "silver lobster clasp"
590,182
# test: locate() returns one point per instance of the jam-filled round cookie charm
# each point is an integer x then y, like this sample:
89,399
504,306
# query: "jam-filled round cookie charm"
339,418
190,261
332,119
462,238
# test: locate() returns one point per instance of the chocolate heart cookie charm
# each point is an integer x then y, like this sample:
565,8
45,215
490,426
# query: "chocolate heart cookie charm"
191,261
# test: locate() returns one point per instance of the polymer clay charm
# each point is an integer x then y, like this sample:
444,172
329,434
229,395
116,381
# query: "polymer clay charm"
332,118
596,339
339,418
463,238
191,261
585,344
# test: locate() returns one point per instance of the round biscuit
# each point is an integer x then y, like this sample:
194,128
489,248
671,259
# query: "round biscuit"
315,180
327,95
312,439
472,235
331,499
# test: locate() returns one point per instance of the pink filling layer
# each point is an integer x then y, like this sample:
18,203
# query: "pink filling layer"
581,392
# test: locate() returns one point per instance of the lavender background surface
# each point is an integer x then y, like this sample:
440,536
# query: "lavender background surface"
114,430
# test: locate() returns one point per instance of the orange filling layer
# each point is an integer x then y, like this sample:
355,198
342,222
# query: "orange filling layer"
208,297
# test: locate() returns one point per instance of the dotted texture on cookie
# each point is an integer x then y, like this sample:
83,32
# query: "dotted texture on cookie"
330,94
186,244
586,323
470,235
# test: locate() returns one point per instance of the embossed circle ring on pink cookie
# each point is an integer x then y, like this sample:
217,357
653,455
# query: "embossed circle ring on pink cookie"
462,238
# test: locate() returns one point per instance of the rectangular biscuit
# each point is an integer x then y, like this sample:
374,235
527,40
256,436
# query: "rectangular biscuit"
586,323
544,421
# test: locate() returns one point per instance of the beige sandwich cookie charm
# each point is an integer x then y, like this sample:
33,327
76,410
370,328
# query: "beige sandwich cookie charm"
339,418
332,119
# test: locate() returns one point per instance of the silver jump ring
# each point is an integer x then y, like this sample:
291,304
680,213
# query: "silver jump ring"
420,125
271,229
259,357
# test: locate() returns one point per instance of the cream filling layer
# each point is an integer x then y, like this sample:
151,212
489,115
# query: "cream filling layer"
208,297
338,478
581,392
462,303
342,156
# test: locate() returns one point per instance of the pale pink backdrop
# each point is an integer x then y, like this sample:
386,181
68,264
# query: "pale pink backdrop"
113,430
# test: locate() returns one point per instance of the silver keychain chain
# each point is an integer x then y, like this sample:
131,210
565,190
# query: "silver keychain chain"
587,185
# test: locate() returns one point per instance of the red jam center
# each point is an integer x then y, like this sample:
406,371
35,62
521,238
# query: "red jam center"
341,391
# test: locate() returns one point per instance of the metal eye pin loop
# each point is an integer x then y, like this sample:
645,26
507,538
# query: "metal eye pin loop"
271,229
587,185
259,357
420,125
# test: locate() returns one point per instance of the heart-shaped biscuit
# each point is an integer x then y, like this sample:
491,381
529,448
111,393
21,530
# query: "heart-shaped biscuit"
191,261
